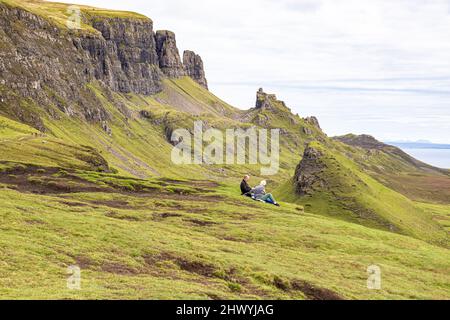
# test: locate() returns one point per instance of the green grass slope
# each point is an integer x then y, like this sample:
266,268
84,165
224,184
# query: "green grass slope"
106,197
339,188
186,95
58,13
396,169
162,238
21,144
189,243
135,141
440,213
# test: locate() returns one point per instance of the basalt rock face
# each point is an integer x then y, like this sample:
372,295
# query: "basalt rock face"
41,68
51,68
307,175
271,112
193,65
168,54
313,121
269,101
124,57
264,100
48,69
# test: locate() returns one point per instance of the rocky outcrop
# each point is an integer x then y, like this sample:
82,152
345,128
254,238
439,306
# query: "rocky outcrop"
307,174
270,112
312,121
168,55
264,100
125,55
44,67
269,101
193,66
53,67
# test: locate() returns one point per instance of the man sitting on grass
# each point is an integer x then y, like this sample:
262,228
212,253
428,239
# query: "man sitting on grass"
245,188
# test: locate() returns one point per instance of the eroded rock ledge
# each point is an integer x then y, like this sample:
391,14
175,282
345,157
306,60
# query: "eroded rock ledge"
53,66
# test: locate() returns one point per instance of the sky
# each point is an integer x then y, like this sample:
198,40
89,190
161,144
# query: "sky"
378,67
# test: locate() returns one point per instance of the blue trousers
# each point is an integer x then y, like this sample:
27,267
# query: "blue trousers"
268,197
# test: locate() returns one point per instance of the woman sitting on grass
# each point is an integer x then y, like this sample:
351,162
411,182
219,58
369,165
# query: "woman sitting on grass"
259,193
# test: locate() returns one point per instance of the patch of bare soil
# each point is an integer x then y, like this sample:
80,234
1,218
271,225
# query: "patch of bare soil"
165,215
234,239
192,266
74,204
197,267
41,181
201,223
120,269
35,222
213,296
194,183
311,291
83,262
118,204
314,293
116,215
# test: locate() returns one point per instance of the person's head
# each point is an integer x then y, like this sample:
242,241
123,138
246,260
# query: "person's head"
263,183
246,178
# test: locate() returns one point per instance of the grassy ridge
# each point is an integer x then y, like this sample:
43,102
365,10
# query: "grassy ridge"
59,13
344,191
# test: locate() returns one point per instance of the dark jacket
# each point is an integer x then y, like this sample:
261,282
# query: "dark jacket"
245,188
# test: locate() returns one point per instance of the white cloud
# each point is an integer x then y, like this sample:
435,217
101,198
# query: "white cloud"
315,54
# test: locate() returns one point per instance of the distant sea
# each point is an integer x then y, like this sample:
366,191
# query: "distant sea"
437,155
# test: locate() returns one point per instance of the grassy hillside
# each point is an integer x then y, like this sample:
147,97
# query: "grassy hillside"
186,95
342,190
396,169
191,243
102,193
176,238
137,140
440,213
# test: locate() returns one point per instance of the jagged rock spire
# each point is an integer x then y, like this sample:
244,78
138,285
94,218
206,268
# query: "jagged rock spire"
168,55
170,62
193,66
265,100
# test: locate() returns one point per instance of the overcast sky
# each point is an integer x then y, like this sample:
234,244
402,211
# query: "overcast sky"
380,67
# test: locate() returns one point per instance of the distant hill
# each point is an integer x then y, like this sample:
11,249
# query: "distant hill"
419,145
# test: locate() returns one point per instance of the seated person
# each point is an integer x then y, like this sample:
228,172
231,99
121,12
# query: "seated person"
259,193
245,188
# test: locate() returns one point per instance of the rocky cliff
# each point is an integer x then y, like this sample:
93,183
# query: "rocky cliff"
193,65
123,56
168,55
265,100
45,67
